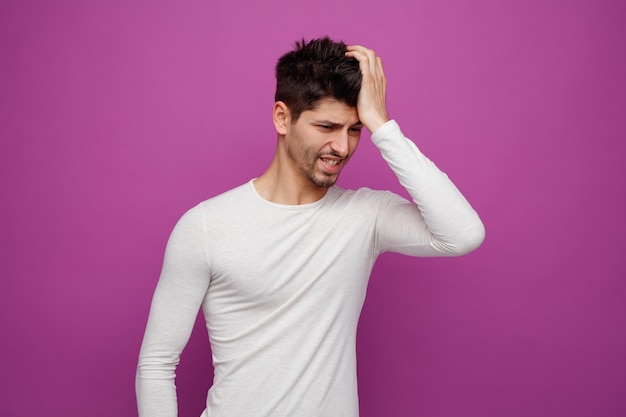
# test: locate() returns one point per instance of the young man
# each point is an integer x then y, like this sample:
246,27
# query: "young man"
280,265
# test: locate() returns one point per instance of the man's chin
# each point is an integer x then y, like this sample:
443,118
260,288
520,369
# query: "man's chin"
324,181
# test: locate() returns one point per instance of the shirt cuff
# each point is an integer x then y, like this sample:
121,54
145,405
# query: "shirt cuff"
389,128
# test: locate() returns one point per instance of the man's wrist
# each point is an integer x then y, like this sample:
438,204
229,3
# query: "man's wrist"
380,128
373,126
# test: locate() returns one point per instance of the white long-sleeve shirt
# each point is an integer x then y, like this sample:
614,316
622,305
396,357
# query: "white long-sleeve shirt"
282,287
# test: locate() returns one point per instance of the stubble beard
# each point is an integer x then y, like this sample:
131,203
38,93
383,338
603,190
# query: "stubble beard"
309,166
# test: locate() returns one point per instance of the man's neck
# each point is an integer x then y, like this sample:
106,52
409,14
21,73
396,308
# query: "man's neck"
281,186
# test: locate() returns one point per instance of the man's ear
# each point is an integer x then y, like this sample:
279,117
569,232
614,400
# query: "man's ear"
281,117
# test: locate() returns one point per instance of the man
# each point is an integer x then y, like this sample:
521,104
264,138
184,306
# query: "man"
280,265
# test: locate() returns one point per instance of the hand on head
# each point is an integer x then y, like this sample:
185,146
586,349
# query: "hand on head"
371,105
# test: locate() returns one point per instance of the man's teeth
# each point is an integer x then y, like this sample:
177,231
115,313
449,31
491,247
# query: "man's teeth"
330,162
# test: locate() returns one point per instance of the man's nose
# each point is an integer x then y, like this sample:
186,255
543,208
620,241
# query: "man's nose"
340,143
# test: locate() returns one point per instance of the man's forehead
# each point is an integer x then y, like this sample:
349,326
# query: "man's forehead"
334,112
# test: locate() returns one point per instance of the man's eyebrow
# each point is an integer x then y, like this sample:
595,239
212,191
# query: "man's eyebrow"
336,124
328,123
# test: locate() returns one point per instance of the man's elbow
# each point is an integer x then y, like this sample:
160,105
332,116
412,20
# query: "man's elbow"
470,240
461,242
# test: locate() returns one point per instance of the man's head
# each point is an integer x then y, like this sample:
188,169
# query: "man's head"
314,71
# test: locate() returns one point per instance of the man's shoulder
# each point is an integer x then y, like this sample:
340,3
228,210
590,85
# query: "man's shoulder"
224,202
365,200
364,194
232,196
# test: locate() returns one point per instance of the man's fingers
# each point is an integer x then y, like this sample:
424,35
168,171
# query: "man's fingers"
370,63
371,103
365,56
362,58
379,64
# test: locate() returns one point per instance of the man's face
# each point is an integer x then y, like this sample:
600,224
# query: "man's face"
322,141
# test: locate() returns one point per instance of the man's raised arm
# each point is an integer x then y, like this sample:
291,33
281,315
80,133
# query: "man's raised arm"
444,223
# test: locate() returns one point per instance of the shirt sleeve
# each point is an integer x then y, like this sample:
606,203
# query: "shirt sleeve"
182,286
440,221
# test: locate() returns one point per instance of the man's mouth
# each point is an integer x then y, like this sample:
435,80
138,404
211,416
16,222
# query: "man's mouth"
331,165
331,162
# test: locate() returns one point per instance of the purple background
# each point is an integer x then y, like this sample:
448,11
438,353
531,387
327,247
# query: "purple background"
118,116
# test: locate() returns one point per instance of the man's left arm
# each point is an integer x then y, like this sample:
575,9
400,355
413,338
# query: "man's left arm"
441,222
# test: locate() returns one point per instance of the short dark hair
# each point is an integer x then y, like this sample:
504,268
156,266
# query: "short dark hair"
316,70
